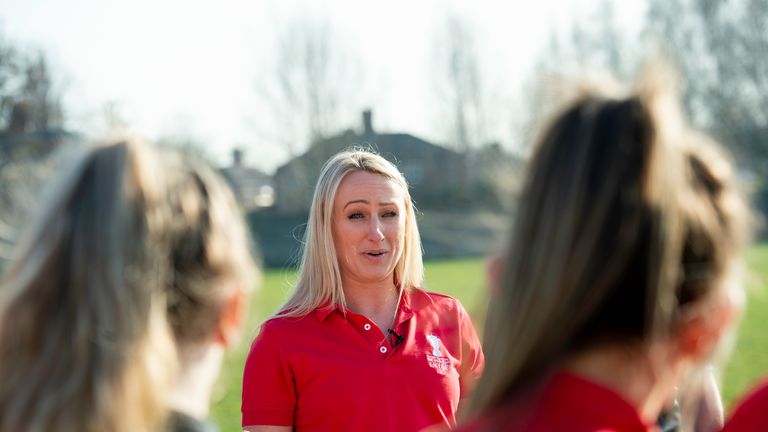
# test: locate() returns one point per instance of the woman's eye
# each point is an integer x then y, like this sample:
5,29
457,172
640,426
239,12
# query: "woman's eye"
391,213
355,215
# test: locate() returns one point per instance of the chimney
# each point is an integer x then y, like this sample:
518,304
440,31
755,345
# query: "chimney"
237,157
20,118
368,122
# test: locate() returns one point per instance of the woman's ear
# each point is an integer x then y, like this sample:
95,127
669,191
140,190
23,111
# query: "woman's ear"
231,319
700,333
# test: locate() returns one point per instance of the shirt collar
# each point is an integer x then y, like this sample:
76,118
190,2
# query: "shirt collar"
325,309
404,312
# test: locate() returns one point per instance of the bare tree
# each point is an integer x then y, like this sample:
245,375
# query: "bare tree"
722,48
460,84
309,87
10,77
29,100
39,92
30,108
595,44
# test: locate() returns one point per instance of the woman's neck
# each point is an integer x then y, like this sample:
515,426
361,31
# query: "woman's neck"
633,374
377,301
199,369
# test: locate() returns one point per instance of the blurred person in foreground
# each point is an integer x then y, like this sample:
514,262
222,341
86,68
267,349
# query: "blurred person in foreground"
622,276
360,345
121,295
212,274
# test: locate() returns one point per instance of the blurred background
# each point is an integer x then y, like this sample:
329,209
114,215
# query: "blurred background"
268,90
451,91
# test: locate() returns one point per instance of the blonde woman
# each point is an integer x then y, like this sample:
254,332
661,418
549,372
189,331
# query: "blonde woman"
132,252
360,345
621,277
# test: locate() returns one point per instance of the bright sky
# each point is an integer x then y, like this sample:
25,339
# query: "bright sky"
190,67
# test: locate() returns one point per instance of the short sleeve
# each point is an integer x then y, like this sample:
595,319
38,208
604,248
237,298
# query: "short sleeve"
269,391
472,358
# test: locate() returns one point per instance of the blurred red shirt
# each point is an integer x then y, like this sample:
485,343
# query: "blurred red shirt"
751,414
334,370
566,403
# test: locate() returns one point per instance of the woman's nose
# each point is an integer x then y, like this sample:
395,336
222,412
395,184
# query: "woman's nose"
375,230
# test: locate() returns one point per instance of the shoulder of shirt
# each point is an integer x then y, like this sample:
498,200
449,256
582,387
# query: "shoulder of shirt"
435,296
760,392
751,408
286,322
421,298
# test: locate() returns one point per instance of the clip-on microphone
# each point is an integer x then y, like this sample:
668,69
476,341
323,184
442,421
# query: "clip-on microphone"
398,338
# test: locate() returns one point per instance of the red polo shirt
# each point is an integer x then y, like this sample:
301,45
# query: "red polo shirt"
566,403
336,371
752,413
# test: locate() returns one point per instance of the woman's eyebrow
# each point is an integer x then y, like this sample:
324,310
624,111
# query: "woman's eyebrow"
355,202
382,204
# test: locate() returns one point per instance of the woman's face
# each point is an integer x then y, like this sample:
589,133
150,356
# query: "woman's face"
368,227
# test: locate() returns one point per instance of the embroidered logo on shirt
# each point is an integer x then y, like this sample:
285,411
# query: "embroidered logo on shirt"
435,342
437,360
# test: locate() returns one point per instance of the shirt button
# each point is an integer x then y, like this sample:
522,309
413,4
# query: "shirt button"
367,326
383,350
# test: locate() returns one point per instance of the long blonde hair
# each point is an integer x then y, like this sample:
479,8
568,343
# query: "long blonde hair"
628,217
84,341
319,280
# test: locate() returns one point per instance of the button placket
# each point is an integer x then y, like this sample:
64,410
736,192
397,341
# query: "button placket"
366,328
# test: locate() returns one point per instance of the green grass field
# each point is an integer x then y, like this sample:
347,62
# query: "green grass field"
464,280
